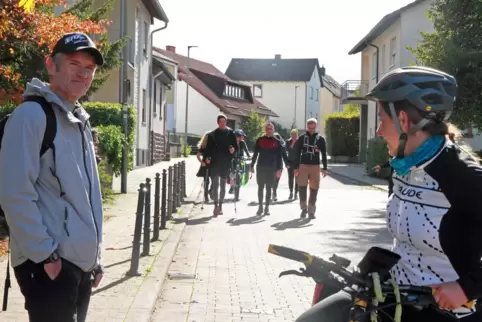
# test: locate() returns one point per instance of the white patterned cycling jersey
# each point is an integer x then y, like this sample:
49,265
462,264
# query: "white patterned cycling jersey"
435,217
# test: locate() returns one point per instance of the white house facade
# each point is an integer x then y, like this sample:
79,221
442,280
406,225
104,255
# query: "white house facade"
290,87
383,49
210,93
329,98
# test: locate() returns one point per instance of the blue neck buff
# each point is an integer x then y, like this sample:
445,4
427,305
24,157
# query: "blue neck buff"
424,152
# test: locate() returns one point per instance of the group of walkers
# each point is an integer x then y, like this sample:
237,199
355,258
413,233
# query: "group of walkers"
220,151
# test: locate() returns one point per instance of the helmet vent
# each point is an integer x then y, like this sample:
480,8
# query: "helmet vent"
432,99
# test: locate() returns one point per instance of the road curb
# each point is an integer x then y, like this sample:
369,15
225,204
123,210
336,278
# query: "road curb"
357,180
146,297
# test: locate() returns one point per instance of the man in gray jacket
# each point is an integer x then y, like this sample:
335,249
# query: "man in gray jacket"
52,203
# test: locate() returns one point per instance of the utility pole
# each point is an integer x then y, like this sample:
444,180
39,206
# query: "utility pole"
124,95
187,94
294,119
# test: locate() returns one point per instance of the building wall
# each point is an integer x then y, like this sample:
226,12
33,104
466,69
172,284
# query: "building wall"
202,113
280,98
326,108
313,98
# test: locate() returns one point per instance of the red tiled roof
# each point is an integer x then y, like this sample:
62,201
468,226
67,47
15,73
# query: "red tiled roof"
201,72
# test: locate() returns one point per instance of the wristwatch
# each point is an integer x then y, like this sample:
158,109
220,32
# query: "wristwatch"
98,270
52,258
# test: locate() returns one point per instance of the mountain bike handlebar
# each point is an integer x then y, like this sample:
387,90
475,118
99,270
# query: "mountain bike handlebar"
335,272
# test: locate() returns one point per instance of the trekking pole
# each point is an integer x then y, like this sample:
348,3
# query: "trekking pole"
8,283
204,188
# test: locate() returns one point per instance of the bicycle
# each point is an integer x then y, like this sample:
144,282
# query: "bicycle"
370,281
238,166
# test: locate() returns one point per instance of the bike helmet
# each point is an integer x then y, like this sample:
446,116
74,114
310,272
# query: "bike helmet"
430,91
239,133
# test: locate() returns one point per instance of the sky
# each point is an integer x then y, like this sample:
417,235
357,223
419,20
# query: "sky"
321,29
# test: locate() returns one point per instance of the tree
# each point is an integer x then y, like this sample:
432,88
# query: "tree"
283,132
253,126
27,37
456,48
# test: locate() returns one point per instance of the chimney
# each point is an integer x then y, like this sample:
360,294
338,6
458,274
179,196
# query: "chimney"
277,56
323,71
171,48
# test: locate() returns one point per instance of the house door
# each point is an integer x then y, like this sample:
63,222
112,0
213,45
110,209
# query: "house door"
231,124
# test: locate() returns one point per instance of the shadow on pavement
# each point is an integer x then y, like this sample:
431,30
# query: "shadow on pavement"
379,213
292,224
346,180
245,221
108,286
199,221
272,203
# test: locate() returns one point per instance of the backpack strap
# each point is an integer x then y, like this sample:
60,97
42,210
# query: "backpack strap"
51,123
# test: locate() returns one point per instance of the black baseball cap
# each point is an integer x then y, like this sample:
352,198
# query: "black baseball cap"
78,41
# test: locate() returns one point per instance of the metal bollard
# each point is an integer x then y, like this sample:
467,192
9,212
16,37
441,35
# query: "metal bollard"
179,193
157,208
146,244
184,188
163,200
136,243
170,192
174,189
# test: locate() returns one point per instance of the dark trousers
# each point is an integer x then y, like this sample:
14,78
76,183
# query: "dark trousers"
291,180
276,183
206,186
265,177
219,189
65,299
336,308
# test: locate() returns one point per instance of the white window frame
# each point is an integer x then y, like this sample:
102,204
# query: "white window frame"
384,59
260,88
146,38
393,52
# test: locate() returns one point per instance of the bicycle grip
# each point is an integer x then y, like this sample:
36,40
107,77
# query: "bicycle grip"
291,253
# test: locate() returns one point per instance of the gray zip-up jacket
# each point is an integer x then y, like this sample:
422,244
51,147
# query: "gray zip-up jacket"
51,205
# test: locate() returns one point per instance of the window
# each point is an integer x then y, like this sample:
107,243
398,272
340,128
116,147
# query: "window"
311,92
144,104
146,38
317,94
374,65
132,52
384,59
136,37
393,51
317,116
258,90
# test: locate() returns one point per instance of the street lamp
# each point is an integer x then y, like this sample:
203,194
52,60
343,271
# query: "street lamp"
294,119
187,94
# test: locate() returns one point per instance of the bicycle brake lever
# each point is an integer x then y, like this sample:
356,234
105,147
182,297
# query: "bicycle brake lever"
294,272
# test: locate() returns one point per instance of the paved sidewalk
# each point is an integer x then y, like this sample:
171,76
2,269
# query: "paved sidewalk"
357,173
119,297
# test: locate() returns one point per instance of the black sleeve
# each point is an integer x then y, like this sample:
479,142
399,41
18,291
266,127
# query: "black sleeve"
208,150
460,230
322,147
233,142
297,152
255,153
284,155
385,165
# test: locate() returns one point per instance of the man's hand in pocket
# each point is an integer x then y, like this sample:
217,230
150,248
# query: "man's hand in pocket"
53,269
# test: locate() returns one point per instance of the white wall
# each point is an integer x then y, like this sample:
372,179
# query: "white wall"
313,101
202,113
413,21
280,98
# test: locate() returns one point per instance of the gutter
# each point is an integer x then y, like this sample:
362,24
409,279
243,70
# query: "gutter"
151,89
376,80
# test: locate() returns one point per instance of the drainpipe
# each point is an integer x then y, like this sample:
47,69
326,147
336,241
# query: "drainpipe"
151,88
160,111
376,80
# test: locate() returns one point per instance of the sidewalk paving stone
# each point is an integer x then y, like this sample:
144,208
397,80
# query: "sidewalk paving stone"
118,293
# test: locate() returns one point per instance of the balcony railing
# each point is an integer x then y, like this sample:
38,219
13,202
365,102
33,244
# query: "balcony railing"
354,91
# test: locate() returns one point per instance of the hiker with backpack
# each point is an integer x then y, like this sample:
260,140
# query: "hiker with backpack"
49,187
307,151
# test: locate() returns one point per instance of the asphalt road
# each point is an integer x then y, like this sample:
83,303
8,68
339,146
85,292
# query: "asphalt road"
223,272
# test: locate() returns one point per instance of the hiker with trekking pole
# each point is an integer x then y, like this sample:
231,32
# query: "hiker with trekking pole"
204,167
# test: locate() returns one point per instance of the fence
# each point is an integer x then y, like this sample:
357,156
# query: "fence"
169,194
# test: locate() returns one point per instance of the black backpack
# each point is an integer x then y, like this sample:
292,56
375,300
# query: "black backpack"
47,143
50,130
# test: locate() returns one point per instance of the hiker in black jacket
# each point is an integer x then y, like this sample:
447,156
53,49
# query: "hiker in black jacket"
290,143
219,152
385,165
267,151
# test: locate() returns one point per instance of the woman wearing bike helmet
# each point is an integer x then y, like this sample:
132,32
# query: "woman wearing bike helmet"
241,151
434,213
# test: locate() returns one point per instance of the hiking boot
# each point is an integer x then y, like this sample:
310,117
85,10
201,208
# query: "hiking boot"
291,195
296,195
303,213
215,211
275,197
220,208
231,190
266,211
311,215
260,210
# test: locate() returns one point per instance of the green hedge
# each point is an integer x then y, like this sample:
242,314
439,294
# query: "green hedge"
342,134
377,154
